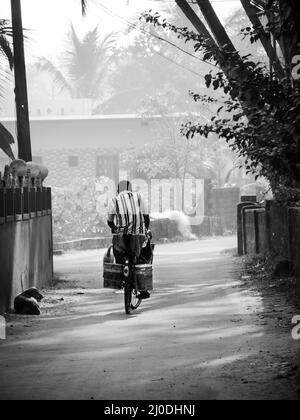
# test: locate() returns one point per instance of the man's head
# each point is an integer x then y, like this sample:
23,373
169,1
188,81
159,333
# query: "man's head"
124,186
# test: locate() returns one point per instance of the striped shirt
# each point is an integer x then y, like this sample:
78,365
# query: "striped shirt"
128,209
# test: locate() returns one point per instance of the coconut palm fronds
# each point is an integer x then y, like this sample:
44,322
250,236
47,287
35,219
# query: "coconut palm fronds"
6,139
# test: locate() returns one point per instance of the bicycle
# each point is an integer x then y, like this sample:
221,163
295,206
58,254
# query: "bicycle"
133,277
131,292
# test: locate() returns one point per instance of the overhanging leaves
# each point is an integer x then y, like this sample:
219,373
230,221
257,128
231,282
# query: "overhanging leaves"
6,139
5,49
5,45
84,6
260,118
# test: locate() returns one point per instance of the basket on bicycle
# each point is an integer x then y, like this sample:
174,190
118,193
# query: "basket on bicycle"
113,276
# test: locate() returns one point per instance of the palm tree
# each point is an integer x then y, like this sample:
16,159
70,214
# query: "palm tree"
5,45
84,66
6,54
84,6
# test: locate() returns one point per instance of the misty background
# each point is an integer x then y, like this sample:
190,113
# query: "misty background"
108,95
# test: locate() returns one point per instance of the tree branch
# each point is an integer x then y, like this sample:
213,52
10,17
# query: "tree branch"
251,12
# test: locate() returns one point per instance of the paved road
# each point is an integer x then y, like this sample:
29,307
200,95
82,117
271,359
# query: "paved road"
189,341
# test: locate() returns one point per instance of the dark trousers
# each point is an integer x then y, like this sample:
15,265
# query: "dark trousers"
130,246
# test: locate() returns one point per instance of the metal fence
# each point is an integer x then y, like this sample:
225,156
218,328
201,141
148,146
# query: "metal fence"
17,204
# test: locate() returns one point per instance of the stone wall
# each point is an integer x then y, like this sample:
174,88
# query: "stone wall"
68,166
272,230
223,203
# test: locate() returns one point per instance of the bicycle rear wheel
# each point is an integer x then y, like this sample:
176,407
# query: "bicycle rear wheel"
135,300
131,299
127,298
132,302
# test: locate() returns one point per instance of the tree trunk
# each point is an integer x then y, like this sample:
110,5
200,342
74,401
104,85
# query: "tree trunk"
229,58
23,126
195,20
203,31
216,26
252,14
290,17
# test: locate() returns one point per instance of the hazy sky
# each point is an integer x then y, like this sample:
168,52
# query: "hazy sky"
48,20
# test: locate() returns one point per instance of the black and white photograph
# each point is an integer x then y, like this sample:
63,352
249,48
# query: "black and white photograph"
149,203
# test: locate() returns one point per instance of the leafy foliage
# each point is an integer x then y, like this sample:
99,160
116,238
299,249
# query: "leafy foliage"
168,156
138,62
6,56
84,66
259,117
6,53
84,6
5,44
75,213
6,139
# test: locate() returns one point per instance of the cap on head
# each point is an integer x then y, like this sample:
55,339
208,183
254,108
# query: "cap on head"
124,186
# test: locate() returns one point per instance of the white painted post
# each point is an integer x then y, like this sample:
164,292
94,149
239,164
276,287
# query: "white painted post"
2,328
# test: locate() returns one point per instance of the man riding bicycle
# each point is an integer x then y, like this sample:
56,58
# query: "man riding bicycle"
129,221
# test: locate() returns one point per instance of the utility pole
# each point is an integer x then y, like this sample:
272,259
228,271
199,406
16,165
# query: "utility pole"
21,96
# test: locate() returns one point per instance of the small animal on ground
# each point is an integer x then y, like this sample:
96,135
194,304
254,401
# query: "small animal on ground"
26,303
